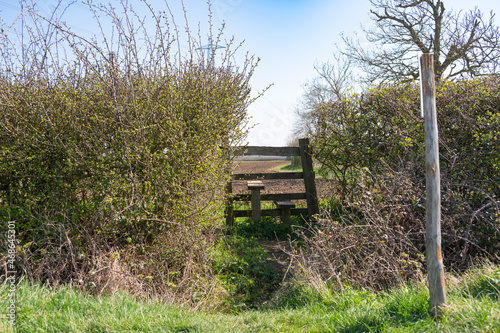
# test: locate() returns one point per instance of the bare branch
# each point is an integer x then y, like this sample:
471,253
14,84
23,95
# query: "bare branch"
464,44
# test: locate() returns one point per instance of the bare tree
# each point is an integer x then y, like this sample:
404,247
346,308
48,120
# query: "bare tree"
334,78
464,43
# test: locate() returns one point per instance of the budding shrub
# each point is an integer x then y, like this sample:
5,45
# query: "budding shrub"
113,158
374,141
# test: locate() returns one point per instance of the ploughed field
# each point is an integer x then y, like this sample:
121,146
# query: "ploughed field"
324,187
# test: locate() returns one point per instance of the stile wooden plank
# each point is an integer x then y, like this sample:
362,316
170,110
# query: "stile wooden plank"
309,181
268,176
255,185
272,197
267,151
284,204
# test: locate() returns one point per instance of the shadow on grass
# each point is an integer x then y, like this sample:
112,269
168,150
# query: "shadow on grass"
364,324
268,227
382,323
185,329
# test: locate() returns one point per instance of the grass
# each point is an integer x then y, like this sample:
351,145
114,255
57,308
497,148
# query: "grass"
319,172
289,168
474,306
244,269
268,227
244,272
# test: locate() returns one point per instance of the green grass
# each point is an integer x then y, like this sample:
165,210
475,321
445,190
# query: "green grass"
474,306
268,227
290,168
244,272
242,262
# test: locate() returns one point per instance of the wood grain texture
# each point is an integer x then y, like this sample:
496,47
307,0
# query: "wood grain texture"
435,269
309,182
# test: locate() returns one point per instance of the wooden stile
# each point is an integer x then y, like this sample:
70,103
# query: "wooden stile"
272,197
267,151
268,176
256,197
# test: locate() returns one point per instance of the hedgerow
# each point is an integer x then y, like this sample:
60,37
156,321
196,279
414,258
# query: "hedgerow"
374,144
114,151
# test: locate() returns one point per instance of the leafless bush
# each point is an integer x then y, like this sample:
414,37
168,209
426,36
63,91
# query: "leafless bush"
373,143
377,238
370,242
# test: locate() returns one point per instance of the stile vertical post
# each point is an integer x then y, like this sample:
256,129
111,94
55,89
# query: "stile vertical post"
309,182
255,187
256,205
435,269
229,204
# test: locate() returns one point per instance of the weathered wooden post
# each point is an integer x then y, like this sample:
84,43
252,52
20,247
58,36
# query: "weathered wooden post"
255,186
435,270
286,213
309,182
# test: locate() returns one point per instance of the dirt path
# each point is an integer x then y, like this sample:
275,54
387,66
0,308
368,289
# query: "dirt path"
278,259
277,249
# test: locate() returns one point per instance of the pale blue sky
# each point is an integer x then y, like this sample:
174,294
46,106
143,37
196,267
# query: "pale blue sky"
289,37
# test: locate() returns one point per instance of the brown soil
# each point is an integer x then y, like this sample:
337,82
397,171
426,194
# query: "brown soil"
278,258
259,166
324,187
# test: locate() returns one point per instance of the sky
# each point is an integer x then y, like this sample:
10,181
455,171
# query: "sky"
289,36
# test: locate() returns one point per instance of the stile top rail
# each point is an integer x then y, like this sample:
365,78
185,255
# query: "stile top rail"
267,151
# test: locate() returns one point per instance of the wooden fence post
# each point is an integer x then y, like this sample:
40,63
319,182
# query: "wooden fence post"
229,204
435,270
309,182
255,186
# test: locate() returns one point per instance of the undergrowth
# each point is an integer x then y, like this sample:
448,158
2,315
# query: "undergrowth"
242,265
244,272
473,307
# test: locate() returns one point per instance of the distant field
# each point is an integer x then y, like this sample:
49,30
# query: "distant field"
259,166
325,187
